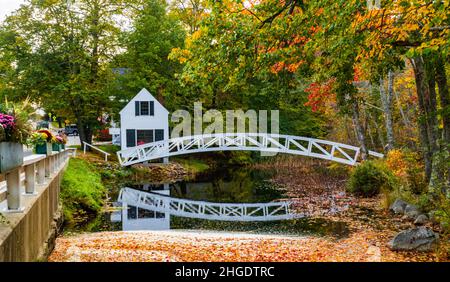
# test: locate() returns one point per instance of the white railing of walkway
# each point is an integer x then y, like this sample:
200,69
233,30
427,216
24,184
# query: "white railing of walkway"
35,170
207,210
263,142
95,148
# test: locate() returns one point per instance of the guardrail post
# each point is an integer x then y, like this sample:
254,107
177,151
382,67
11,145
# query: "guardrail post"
30,173
13,190
47,166
41,172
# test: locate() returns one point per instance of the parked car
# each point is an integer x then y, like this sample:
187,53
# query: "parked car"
42,124
71,130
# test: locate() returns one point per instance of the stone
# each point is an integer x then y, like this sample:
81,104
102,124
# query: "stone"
413,214
410,208
421,219
415,239
412,211
398,206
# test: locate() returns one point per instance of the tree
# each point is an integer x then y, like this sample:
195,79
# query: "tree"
145,60
61,50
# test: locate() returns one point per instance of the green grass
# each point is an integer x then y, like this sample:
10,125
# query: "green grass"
193,165
112,149
82,191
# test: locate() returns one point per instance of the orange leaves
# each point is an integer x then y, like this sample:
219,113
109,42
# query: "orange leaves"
171,246
320,95
280,66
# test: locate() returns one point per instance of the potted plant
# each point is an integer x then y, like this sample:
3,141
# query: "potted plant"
55,144
41,141
62,139
14,131
59,144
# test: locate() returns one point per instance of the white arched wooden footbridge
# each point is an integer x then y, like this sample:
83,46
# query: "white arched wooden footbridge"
287,144
207,210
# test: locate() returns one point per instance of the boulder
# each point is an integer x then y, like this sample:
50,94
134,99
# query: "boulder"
412,214
421,219
398,206
415,239
410,208
412,211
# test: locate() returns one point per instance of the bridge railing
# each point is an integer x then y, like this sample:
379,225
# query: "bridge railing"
85,145
22,181
275,143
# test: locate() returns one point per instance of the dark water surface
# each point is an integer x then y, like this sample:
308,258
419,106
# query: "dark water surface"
225,185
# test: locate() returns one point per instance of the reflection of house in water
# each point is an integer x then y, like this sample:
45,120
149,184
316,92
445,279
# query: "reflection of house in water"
134,218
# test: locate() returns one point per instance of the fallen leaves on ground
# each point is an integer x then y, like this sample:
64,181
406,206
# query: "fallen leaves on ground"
193,246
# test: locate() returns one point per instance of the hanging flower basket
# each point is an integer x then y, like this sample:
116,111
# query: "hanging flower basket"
11,156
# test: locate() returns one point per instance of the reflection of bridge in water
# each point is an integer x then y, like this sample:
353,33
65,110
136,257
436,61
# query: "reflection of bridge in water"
261,142
164,205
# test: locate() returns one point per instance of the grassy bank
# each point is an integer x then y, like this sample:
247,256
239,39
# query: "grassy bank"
82,191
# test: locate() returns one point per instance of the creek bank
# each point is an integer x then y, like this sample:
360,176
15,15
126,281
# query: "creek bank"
420,238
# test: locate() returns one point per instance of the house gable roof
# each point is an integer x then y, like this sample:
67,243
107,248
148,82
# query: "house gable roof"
145,95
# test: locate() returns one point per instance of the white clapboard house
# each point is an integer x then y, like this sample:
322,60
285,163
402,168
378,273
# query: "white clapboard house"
142,120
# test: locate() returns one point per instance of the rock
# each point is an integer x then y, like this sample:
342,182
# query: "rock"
410,208
421,219
412,211
413,214
415,239
398,206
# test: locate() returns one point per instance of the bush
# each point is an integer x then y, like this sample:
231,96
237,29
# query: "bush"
82,191
408,168
370,178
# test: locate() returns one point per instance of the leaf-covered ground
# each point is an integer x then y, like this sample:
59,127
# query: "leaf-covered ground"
154,246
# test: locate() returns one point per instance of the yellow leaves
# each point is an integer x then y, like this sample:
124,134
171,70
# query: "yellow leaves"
180,55
196,35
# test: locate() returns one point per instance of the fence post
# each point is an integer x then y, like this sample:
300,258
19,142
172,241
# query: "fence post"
30,173
13,190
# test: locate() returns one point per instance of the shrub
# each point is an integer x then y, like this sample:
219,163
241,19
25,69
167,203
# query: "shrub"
370,178
408,168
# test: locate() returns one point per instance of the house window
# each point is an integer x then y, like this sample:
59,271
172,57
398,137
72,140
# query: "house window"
136,137
144,136
159,134
131,138
144,108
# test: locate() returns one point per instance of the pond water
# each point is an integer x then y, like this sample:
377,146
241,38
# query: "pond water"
225,185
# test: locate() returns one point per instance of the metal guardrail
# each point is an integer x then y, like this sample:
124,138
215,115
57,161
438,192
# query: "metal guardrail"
95,148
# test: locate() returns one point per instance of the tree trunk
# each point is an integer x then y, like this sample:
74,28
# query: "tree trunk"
85,132
419,75
359,130
444,95
386,101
